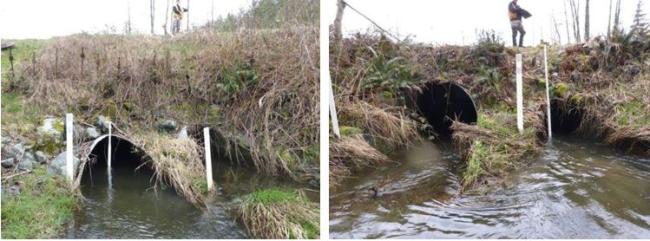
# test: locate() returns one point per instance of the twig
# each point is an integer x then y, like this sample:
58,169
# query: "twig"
15,174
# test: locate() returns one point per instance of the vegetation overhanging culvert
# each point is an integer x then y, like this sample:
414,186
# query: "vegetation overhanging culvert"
598,90
138,88
256,88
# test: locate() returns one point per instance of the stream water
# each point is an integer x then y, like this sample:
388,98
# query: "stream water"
575,189
125,204
128,207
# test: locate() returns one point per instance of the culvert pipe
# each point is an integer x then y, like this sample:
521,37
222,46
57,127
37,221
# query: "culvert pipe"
442,103
566,116
120,145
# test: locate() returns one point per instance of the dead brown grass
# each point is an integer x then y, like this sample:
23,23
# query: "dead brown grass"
391,127
261,86
176,162
350,154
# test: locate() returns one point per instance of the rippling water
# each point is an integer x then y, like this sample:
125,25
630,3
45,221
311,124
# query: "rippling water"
576,189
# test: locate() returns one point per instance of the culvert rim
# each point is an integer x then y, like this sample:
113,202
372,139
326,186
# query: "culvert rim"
447,95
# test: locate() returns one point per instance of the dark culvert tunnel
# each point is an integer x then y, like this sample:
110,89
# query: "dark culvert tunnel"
442,103
128,163
566,116
131,201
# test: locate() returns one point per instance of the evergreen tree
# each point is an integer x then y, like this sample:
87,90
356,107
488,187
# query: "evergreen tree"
640,26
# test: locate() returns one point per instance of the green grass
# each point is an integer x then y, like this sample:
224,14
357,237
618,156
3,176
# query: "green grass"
497,123
350,131
22,50
12,103
274,195
473,171
17,115
632,113
43,206
280,214
496,158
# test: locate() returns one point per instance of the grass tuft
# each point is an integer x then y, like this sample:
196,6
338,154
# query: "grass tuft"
350,154
177,162
279,214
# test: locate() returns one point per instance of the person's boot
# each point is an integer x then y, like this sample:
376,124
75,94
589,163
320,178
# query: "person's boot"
521,40
514,40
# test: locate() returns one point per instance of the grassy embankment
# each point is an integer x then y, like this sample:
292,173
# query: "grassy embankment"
19,118
34,205
257,87
45,203
493,147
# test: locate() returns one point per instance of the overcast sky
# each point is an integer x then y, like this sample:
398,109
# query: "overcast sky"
434,21
46,18
456,22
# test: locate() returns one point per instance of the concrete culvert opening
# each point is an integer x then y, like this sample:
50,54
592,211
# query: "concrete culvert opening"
565,116
441,103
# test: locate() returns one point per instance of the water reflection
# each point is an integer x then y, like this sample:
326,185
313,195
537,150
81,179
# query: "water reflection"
576,189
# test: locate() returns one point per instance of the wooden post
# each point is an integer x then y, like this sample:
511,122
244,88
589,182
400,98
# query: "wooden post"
520,97
208,157
56,63
11,62
33,63
548,97
83,58
69,155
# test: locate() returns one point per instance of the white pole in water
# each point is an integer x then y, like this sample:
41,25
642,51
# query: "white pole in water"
109,161
335,119
548,97
110,144
68,146
208,157
520,96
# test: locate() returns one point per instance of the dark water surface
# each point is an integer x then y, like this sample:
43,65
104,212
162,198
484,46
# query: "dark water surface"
125,203
575,189
129,207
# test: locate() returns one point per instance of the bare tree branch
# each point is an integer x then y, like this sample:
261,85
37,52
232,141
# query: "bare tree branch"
587,21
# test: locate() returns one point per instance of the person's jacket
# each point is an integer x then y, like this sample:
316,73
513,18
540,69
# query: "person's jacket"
178,11
517,13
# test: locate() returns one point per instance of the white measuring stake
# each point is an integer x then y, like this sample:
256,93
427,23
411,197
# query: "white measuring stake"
208,157
335,119
110,144
109,161
548,97
69,156
520,96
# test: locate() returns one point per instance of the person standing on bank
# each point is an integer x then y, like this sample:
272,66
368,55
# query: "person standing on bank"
516,14
177,12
